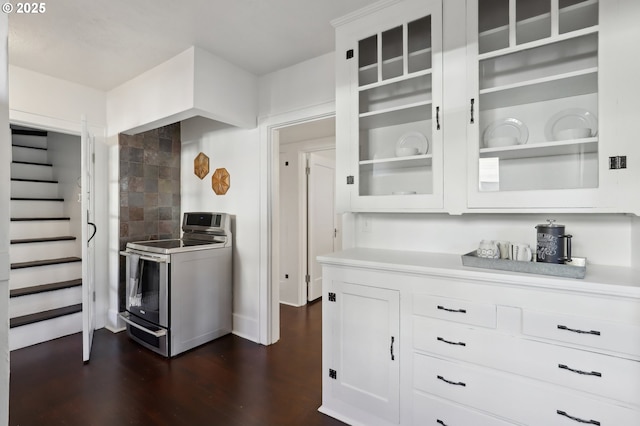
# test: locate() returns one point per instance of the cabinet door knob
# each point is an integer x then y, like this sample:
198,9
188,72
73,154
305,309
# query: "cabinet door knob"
450,382
437,118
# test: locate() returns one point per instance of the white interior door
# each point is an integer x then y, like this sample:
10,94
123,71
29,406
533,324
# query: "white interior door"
321,231
88,240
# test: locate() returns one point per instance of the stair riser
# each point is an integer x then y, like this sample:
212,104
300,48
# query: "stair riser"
25,305
35,251
30,155
31,171
31,334
39,229
29,140
34,189
26,277
33,208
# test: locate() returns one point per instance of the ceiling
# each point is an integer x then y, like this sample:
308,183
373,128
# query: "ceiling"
103,43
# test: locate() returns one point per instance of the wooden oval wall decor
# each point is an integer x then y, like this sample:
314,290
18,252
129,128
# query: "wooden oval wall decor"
201,165
220,181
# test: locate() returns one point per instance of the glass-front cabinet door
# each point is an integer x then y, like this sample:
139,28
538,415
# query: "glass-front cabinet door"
533,104
396,117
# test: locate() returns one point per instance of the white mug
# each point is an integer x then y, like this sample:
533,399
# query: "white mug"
488,249
520,251
504,247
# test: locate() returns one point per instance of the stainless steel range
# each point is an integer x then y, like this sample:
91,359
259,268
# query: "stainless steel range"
178,291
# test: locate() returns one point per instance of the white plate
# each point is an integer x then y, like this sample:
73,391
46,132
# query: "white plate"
413,140
506,127
573,118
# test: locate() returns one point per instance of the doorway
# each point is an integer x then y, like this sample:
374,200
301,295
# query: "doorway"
306,207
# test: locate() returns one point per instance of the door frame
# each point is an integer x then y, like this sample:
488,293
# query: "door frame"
269,257
73,128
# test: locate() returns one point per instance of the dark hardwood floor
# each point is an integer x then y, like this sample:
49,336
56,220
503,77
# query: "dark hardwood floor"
230,381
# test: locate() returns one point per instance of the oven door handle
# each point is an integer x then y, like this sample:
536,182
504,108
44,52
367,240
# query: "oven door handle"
125,317
142,257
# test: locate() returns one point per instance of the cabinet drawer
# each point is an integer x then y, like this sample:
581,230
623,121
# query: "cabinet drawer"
431,411
514,397
457,310
602,375
595,333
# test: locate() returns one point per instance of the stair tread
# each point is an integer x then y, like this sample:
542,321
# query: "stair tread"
43,240
44,315
33,180
45,262
26,291
28,132
35,199
30,147
32,163
26,219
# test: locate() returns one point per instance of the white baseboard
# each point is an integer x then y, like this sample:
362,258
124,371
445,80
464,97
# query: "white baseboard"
245,327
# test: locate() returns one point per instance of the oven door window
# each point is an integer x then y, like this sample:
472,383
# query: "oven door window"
148,283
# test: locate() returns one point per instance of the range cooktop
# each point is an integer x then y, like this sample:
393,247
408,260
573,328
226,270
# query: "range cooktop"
173,245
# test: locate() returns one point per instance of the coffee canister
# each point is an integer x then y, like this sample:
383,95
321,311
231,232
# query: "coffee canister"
551,243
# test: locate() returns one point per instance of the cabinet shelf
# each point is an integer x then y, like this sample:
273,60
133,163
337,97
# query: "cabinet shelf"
417,111
543,149
396,162
538,43
395,80
541,89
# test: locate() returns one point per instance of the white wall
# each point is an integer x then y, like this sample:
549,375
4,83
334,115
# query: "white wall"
5,153
64,154
300,86
236,150
44,100
602,239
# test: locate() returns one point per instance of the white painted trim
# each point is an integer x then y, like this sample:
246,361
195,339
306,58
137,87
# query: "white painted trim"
269,294
367,10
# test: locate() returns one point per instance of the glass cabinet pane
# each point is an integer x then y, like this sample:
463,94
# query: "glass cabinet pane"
537,106
533,20
493,25
395,110
392,53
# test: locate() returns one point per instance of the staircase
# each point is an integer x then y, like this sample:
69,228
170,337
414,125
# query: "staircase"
45,279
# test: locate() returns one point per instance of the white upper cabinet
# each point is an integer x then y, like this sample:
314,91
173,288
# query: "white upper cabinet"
537,126
468,106
389,101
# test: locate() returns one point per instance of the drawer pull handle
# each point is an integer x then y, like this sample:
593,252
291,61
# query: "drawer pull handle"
577,419
586,373
440,422
460,311
440,339
564,327
451,383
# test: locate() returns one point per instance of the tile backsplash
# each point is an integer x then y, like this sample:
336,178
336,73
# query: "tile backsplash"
149,188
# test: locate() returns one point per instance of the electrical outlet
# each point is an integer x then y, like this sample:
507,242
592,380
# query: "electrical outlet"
366,224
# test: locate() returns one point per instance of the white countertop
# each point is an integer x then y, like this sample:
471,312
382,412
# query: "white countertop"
608,280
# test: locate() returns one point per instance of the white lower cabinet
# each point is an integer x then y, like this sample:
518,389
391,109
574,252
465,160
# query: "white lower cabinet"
426,343
361,360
